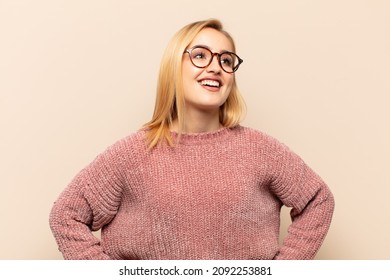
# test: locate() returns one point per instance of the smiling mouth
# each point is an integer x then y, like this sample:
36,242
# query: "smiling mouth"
210,83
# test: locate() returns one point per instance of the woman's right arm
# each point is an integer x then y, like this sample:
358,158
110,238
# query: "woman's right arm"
88,203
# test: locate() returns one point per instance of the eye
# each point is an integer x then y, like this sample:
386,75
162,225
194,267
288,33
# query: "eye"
198,54
227,59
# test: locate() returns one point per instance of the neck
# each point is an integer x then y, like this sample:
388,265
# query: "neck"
197,122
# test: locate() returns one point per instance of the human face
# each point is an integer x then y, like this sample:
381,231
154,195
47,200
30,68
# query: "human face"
206,89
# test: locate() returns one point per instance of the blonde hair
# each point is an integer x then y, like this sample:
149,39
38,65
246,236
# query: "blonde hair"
170,103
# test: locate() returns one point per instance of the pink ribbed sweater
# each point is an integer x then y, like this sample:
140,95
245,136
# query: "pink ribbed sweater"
213,196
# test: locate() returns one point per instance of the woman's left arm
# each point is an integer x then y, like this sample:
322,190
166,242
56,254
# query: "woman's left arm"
312,203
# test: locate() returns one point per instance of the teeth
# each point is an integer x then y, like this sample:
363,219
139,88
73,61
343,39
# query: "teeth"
209,83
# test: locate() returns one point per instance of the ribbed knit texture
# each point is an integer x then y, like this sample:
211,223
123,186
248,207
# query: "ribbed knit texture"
213,196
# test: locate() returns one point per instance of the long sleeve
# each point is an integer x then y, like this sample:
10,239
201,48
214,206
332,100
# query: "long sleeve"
214,195
312,203
88,203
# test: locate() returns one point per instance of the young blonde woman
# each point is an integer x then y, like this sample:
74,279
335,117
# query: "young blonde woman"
193,183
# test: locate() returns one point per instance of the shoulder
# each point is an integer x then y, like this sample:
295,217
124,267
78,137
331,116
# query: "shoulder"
263,144
132,140
258,137
127,147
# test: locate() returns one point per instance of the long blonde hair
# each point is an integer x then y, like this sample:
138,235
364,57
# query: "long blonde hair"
170,103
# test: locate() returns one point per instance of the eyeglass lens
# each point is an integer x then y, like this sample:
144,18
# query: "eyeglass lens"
202,57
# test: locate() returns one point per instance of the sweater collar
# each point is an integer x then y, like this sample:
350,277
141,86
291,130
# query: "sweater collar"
202,137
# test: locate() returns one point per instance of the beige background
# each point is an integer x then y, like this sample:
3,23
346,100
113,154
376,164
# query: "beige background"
75,76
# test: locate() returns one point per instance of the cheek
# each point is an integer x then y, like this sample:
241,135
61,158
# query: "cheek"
189,72
229,83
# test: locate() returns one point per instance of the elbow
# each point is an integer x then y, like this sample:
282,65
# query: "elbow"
54,217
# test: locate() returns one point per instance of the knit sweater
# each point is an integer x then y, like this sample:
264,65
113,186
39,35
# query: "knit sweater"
214,195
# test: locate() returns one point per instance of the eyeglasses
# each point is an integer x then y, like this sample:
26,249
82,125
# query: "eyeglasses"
202,57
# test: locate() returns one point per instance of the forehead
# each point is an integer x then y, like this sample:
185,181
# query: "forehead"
214,39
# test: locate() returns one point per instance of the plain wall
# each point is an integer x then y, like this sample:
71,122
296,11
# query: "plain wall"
75,76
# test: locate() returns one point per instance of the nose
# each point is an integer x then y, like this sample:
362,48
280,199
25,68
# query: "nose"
214,65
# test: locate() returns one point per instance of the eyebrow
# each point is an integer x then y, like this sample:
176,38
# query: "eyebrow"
207,47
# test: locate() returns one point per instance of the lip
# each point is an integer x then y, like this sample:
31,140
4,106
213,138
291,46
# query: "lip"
210,78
